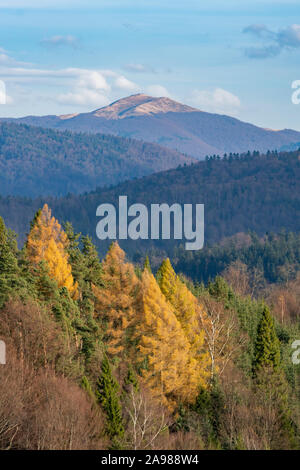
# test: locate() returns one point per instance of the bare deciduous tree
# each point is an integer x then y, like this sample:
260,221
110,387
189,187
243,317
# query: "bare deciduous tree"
220,327
243,280
145,419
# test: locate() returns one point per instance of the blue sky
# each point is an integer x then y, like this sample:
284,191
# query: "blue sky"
235,57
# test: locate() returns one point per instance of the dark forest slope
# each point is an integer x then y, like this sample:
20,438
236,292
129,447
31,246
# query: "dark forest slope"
36,161
260,193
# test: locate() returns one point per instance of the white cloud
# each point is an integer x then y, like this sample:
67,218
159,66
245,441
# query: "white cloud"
7,60
68,40
77,86
92,79
157,91
138,68
69,86
42,74
4,58
83,97
90,88
124,84
218,101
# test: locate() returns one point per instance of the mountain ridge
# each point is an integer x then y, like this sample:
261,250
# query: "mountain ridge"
36,161
174,125
260,193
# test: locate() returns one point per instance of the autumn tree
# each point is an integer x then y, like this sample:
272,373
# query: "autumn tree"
187,310
48,242
169,367
116,300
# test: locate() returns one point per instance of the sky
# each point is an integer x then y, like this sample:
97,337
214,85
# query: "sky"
230,57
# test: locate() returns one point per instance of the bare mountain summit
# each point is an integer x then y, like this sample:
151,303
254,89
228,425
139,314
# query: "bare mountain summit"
141,105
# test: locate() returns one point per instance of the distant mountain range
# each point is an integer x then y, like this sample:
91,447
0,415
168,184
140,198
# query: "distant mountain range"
171,124
36,161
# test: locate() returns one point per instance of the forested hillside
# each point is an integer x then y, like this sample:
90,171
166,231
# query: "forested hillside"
272,258
42,162
108,355
260,193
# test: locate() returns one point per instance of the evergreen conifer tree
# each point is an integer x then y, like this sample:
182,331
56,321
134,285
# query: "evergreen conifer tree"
107,394
11,281
267,347
92,263
147,264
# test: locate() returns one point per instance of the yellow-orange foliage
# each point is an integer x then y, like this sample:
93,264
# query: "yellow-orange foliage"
47,241
172,373
115,302
188,312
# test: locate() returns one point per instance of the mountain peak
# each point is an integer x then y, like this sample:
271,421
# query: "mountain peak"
141,105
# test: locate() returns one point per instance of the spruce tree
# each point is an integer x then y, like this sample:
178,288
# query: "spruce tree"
131,378
147,264
76,257
271,386
85,384
86,271
107,394
267,347
219,289
92,263
11,281
8,262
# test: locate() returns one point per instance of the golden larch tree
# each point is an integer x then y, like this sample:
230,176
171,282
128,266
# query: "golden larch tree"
170,370
48,242
116,300
188,312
